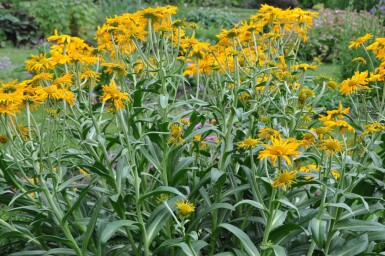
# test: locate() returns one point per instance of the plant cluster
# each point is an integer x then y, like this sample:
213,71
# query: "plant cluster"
332,32
75,17
17,26
127,161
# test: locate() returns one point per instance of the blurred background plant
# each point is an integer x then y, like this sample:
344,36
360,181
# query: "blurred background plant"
329,38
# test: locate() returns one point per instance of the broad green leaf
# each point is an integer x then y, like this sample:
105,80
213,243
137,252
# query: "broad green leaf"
207,211
376,236
157,220
352,247
289,204
359,225
161,190
285,233
112,227
317,230
91,224
340,205
278,250
360,209
247,244
279,218
252,203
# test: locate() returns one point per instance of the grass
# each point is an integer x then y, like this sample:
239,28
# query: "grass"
327,69
16,56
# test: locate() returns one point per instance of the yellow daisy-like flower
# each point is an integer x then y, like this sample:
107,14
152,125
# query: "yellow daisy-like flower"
357,82
3,139
308,168
267,133
280,148
308,139
176,134
341,124
185,208
336,174
284,179
161,198
331,84
111,92
359,41
359,59
373,128
248,143
331,146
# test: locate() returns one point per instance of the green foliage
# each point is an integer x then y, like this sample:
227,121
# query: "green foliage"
17,26
331,34
75,17
210,21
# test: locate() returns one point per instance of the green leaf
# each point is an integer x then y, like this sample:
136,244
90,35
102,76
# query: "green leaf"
340,205
207,210
352,247
252,203
317,230
289,204
91,224
285,233
76,204
161,190
112,227
247,244
278,250
279,218
157,220
359,225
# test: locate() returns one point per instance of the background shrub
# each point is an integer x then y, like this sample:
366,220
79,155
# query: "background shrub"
329,38
75,17
17,26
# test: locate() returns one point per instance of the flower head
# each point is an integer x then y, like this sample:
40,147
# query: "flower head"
248,143
359,41
280,148
373,128
331,146
285,179
357,82
176,133
111,92
3,139
185,208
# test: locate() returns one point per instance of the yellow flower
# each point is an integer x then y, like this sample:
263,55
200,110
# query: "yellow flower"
359,59
161,198
336,174
308,139
111,92
176,134
304,66
331,146
285,179
3,139
267,133
341,124
373,128
280,148
309,168
248,143
359,41
352,85
244,97
304,94
321,131
184,208
332,84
